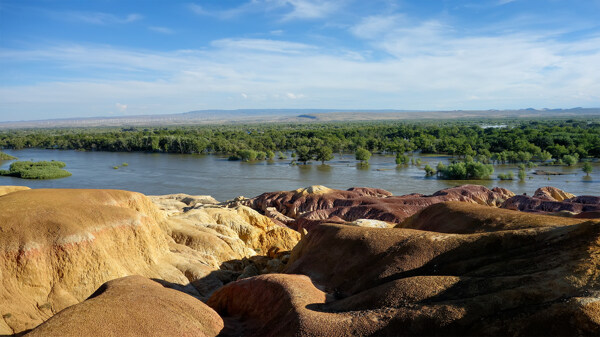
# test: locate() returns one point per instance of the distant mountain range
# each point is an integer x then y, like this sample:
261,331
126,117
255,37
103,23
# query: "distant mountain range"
292,116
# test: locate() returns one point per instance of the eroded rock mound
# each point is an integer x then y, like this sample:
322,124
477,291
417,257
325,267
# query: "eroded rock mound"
134,306
311,209
465,218
57,246
534,281
552,194
553,200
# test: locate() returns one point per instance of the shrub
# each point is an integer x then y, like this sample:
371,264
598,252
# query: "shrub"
247,155
470,170
522,175
429,171
4,156
506,176
37,170
401,159
570,160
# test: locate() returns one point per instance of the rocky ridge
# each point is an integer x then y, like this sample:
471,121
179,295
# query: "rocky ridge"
459,262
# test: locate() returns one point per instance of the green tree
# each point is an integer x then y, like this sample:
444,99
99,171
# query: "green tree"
545,156
247,155
323,153
363,155
587,168
303,154
570,160
429,171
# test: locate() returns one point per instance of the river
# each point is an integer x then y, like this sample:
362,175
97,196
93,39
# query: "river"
154,173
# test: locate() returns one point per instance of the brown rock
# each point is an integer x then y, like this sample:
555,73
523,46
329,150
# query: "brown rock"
134,306
532,281
533,204
465,218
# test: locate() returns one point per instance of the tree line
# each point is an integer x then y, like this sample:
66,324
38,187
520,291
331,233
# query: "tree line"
520,141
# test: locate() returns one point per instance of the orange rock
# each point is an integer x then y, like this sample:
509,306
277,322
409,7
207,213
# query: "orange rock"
134,306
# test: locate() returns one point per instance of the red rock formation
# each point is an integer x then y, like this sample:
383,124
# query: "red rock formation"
365,281
310,209
544,201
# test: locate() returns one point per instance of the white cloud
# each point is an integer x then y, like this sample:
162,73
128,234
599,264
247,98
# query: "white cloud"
426,66
121,107
162,30
294,96
504,2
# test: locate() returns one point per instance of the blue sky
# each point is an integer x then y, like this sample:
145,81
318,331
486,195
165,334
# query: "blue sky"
61,59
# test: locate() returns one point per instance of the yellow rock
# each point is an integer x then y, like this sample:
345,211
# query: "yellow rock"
9,189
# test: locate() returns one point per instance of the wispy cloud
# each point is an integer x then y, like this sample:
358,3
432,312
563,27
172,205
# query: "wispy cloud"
307,9
263,45
162,30
290,9
97,18
504,2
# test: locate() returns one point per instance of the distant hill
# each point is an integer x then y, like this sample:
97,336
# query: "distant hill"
293,116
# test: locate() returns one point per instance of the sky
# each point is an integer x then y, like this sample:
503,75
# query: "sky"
76,58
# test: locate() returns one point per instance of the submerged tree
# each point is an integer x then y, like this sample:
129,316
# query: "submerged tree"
363,155
587,168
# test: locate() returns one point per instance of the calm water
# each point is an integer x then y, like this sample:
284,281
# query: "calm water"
151,173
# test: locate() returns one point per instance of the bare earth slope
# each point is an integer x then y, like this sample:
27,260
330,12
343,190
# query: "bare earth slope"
134,306
465,218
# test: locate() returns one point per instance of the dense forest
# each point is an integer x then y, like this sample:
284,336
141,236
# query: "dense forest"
517,141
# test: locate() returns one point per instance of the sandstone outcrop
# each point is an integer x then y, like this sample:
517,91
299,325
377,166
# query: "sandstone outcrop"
327,205
552,194
57,246
9,189
134,306
532,281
